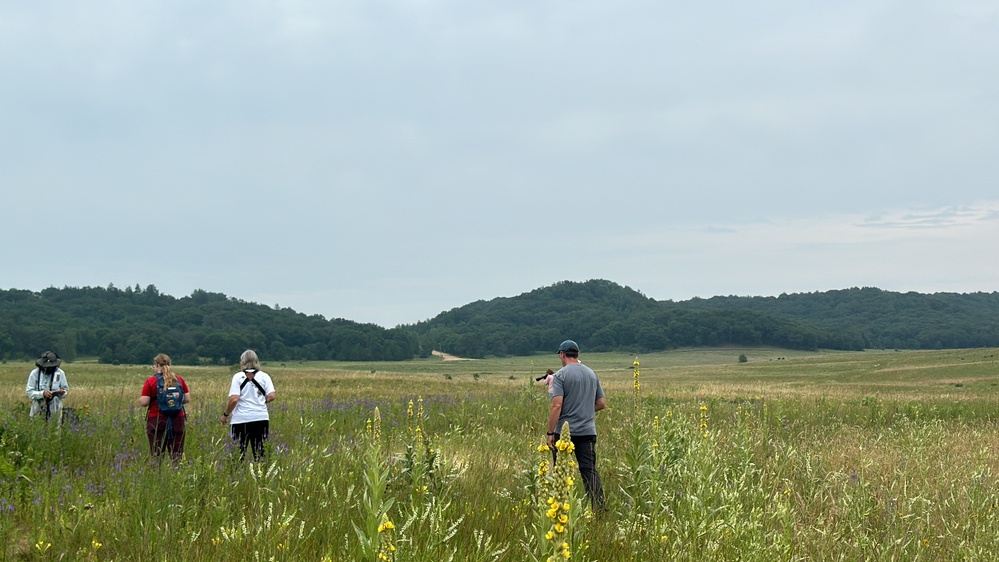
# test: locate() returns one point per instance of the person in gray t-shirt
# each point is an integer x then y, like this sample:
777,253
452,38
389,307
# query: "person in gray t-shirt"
576,398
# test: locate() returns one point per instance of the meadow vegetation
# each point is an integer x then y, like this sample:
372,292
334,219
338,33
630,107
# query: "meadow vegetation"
791,455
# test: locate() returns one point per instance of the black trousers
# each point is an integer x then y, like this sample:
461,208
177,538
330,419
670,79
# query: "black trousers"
253,434
586,458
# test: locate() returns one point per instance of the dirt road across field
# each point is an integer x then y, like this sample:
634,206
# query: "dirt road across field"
447,356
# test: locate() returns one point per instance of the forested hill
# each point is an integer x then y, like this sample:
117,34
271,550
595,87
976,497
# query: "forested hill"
131,325
602,315
882,319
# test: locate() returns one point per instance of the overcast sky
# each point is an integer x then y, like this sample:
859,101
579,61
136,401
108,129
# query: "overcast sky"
387,161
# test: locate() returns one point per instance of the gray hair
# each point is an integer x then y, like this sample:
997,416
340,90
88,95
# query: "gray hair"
248,360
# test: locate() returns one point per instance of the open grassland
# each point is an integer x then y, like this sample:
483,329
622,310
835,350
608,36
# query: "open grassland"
877,455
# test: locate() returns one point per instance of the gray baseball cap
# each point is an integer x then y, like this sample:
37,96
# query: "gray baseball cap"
567,345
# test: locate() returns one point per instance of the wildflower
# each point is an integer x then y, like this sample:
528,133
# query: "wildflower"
95,544
638,385
386,550
376,430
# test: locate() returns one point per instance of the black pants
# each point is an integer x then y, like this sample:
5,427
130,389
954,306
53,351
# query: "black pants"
253,434
586,458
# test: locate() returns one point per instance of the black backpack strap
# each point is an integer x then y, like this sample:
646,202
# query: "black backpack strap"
255,383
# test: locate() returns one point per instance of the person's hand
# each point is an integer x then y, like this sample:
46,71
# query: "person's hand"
47,394
551,442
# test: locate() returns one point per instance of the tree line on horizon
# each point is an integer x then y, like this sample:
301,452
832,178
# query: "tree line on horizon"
131,325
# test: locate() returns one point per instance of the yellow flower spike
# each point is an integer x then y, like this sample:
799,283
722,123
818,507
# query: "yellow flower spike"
542,447
638,385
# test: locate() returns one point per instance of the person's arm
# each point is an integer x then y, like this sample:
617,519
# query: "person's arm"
554,413
229,407
600,404
271,392
144,396
29,390
63,389
187,397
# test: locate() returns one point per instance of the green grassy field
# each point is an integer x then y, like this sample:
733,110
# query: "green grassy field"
877,455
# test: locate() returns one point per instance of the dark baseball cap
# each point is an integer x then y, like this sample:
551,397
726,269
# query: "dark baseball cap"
567,345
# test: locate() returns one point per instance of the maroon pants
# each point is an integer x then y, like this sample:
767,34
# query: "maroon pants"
166,434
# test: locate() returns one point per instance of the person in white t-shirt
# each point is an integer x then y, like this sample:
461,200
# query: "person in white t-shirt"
249,394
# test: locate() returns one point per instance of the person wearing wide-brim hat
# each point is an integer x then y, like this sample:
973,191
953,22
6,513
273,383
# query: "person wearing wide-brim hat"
47,387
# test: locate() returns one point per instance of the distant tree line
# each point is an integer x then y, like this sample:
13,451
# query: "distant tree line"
131,325
603,316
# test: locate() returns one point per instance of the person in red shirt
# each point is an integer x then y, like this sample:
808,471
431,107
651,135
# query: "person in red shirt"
165,431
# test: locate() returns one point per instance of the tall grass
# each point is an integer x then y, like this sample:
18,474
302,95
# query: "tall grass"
790,456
